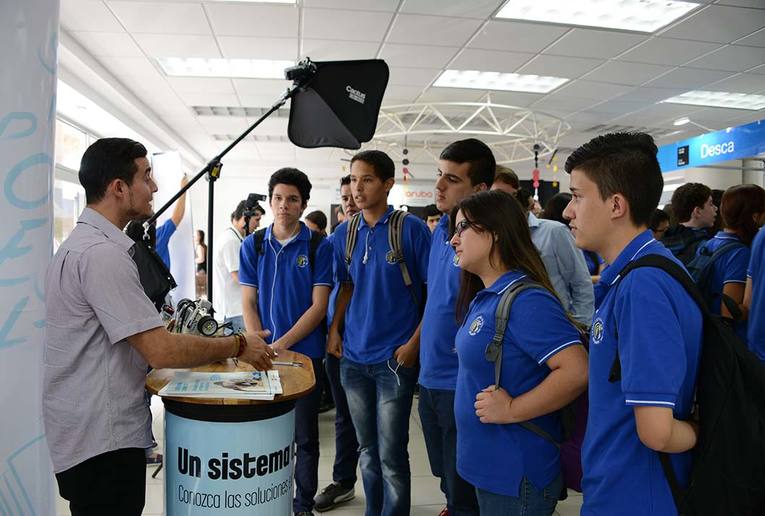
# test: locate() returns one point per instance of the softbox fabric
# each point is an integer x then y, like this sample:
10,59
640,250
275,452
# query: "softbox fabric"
340,105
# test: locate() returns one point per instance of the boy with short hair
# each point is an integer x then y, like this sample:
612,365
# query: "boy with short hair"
284,292
647,322
695,213
380,342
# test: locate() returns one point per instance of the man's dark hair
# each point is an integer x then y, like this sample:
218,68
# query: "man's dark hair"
238,213
318,218
379,161
432,211
555,207
345,180
291,176
104,161
657,217
508,176
478,154
626,164
524,196
688,197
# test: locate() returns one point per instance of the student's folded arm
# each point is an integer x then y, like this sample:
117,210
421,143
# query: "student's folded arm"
735,291
659,430
307,322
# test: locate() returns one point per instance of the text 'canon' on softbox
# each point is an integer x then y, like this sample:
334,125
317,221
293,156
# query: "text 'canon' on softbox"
339,105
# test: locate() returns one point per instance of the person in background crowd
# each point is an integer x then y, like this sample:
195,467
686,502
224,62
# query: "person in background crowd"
381,341
258,212
101,335
742,211
464,168
341,489
564,262
506,179
167,228
659,223
754,296
228,303
284,292
432,216
317,221
200,251
616,185
543,366
554,211
717,201
695,212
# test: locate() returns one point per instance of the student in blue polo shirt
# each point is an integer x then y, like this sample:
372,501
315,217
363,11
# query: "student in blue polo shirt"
742,207
286,294
648,318
754,296
464,167
544,365
381,339
341,489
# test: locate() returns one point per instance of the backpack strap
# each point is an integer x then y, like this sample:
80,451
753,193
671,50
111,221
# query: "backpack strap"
259,238
313,245
350,238
713,257
493,351
395,229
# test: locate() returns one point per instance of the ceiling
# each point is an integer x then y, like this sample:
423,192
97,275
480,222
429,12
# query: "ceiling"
617,78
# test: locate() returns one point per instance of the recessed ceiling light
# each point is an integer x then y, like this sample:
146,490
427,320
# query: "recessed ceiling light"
217,67
721,99
498,81
634,15
256,1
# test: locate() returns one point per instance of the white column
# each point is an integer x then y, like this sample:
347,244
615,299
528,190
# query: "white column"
28,53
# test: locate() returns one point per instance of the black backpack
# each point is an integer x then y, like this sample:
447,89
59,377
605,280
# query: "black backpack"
701,267
573,416
728,474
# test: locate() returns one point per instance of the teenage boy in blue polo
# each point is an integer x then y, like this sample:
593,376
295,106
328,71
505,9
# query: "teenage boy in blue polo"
380,342
647,318
754,296
464,167
284,292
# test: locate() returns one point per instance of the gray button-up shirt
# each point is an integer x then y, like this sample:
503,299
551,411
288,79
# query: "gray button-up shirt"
93,390
565,265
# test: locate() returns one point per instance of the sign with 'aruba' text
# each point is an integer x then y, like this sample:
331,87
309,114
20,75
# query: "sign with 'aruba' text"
229,468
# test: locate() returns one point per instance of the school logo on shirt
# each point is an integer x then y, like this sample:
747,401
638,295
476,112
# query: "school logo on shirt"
390,257
476,325
597,331
302,260
456,261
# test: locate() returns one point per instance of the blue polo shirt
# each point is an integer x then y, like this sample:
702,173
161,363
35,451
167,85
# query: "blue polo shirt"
438,354
382,315
285,282
756,332
496,457
659,330
729,268
164,232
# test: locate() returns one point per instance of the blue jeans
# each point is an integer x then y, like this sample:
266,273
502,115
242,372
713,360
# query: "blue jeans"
307,442
436,410
346,445
530,502
237,322
380,399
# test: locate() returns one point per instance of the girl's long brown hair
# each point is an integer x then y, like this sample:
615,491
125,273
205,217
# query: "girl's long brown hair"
739,205
500,214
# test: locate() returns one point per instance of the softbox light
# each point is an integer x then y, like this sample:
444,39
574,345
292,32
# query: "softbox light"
338,106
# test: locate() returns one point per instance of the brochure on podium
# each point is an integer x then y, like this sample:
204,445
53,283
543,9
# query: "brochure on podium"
251,385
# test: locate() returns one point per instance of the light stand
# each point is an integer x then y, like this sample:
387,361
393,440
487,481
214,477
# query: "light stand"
301,74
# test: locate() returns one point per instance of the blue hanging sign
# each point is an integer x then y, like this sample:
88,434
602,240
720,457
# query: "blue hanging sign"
740,142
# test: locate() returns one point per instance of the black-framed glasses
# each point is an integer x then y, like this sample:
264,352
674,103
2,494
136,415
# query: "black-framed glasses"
460,227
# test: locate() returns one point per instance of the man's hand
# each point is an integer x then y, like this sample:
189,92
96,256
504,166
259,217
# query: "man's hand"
335,344
493,406
257,353
407,354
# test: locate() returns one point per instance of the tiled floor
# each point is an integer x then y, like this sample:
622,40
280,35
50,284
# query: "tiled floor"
427,499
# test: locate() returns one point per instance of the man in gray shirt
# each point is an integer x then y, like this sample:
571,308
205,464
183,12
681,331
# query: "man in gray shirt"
102,332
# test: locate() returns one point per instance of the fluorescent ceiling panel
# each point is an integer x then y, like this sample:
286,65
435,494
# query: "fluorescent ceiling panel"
498,81
721,99
217,67
634,15
257,1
